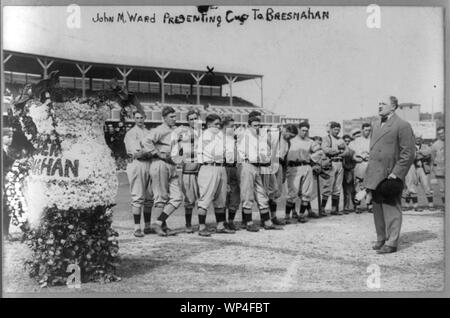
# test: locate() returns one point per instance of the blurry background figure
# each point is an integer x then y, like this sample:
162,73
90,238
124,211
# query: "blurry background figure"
7,162
423,169
361,147
438,162
410,190
335,148
348,183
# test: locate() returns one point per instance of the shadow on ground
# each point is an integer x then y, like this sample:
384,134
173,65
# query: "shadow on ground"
408,239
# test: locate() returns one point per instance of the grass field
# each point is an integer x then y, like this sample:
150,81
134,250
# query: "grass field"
327,254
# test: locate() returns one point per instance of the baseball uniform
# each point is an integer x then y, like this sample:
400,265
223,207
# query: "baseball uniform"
330,146
165,181
438,165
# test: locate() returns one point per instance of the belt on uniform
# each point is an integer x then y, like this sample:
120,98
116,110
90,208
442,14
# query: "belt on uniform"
214,164
297,163
230,165
336,159
258,164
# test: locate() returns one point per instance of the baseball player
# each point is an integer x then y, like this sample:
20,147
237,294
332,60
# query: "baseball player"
233,190
212,176
438,161
253,153
299,175
321,165
348,182
272,176
361,147
165,181
410,190
138,172
335,148
422,165
187,148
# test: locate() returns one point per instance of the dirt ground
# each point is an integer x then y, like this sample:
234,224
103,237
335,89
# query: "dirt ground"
327,254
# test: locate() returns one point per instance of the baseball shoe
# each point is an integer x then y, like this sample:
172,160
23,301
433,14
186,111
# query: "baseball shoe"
302,219
277,221
167,230
287,220
314,215
138,233
204,232
252,228
322,213
189,230
158,230
294,215
149,230
418,209
272,227
224,230
231,226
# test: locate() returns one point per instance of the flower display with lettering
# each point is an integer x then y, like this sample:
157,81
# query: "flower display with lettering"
63,194
78,174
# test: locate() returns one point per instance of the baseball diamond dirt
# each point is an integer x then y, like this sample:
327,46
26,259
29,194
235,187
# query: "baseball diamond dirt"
327,254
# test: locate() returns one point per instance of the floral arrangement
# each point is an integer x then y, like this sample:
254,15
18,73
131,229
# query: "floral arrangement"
81,237
62,196
14,191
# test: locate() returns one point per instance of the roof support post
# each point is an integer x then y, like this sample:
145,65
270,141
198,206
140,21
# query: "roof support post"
45,64
231,80
262,95
198,77
7,58
83,68
124,72
162,76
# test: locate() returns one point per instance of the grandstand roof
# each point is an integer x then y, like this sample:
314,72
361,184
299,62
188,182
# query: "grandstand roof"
27,63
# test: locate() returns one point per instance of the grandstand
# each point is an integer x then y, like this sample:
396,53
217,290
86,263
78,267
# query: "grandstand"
154,86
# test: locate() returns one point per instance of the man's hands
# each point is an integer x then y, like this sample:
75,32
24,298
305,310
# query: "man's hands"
392,176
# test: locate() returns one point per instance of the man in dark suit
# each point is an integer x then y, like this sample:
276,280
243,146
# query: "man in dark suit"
392,151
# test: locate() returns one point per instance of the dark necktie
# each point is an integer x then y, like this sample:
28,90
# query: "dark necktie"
383,119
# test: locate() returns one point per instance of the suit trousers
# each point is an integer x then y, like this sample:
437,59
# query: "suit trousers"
388,221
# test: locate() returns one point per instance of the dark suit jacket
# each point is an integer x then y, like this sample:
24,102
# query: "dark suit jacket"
392,150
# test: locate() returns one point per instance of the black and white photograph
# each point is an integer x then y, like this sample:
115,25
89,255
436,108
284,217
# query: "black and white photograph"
217,150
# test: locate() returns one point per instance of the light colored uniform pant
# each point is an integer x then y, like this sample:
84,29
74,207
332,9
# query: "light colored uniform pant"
189,187
411,181
388,222
138,173
333,186
423,180
273,184
212,186
299,183
252,188
165,184
234,195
